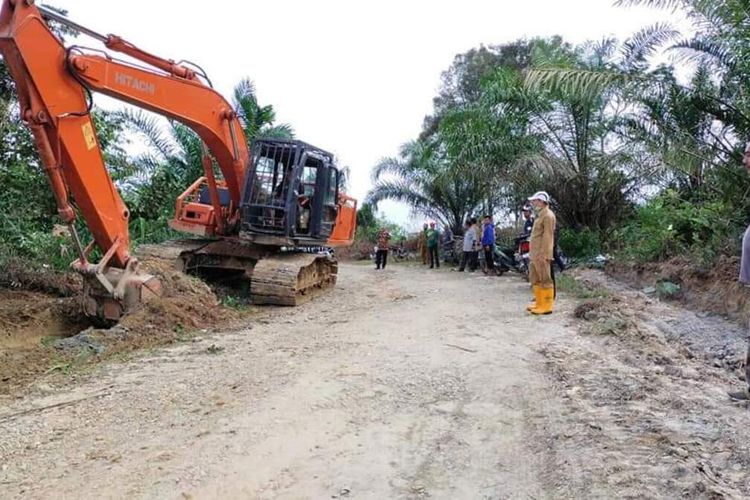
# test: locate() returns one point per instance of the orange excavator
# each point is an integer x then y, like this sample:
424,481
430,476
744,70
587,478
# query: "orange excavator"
256,218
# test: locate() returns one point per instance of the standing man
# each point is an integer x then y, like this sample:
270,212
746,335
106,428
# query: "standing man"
528,218
422,244
433,241
470,244
474,262
744,395
449,249
488,243
381,256
541,254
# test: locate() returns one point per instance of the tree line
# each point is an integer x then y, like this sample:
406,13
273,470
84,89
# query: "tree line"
640,156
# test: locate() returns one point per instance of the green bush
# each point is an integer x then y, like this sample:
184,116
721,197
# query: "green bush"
670,225
144,231
581,244
39,250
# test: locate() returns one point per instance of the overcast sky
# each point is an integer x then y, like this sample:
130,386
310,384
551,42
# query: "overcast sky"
353,77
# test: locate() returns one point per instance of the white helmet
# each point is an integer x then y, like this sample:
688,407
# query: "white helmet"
540,196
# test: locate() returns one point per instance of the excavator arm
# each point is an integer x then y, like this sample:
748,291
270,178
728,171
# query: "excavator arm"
54,107
188,101
174,91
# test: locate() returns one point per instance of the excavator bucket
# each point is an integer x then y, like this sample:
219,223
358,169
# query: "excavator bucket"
110,294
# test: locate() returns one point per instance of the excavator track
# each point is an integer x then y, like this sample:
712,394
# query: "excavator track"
282,279
292,279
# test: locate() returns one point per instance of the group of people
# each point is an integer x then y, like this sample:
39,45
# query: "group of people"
428,243
542,225
478,239
542,255
542,229
539,222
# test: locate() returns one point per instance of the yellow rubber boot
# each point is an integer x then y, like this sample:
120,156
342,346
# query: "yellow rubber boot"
545,301
537,299
532,304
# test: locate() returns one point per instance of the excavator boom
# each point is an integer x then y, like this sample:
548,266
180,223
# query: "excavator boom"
208,114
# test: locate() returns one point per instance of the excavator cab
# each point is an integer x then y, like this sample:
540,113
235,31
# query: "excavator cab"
291,194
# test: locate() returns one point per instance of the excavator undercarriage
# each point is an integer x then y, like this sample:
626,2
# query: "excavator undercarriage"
282,278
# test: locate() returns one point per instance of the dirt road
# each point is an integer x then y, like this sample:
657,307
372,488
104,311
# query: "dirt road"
400,384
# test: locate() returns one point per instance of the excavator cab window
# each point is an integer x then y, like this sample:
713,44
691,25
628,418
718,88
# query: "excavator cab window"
291,192
306,198
330,204
267,188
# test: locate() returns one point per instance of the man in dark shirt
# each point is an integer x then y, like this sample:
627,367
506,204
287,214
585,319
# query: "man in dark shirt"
433,241
488,243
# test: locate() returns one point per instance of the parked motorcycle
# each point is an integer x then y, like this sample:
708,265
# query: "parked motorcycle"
514,258
518,259
523,244
400,253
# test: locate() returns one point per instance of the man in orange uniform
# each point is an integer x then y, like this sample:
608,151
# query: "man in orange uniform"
541,255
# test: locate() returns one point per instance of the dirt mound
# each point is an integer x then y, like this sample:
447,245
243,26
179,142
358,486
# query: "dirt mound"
187,305
41,332
712,289
17,275
187,302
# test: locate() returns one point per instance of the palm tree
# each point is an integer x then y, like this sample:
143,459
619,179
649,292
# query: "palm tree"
492,137
539,136
688,131
719,45
423,178
257,120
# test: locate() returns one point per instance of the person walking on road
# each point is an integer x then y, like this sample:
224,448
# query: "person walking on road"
744,395
433,242
470,245
422,244
488,243
541,255
381,256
